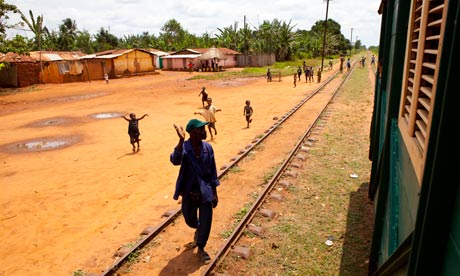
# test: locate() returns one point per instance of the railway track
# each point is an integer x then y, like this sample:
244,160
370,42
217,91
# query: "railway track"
280,152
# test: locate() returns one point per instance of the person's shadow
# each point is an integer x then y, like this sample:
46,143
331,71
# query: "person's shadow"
127,154
183,264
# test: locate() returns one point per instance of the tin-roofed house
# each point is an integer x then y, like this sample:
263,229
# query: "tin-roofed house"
180,60
18,70
59,67
120,62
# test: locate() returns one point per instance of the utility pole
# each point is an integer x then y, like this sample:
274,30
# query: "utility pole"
351,41
324,38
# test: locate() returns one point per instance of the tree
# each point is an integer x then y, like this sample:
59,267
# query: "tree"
36,26
285,37
105,41
83,42
229,37
173,35
4,10
67,35
18,44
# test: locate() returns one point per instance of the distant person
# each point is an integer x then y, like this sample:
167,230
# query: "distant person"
348,65
106,78
372,60
363,61
299,73
342,59
196,183
204,95
295,79
311,74
330,64
319,75
247,111
269,75
133,129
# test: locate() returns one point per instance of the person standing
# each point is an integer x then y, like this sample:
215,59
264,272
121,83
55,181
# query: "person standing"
133,129
209,115
196,182
299,73
204,95
269,75
247,111
342,59
348,65
295,80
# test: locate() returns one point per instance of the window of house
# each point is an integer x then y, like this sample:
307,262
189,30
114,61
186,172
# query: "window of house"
423,52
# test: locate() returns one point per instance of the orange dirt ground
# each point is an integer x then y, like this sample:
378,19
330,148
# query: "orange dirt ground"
71,207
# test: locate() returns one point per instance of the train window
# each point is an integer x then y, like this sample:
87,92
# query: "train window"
420,75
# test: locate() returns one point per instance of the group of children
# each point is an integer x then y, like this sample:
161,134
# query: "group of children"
208,112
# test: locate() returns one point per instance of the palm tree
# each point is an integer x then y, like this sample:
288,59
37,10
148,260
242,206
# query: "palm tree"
285,37
229,37
67,34
36,26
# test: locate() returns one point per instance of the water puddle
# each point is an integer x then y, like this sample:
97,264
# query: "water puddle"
79,97
51,122
107,115
41,144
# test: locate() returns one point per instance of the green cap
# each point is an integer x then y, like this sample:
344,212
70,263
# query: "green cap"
193,124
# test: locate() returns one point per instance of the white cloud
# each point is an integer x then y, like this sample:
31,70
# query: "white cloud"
125,17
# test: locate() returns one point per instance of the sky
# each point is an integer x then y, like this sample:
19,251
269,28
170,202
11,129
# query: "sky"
358,19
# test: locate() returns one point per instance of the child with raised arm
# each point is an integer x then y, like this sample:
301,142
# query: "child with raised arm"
133,129
208,114
247,111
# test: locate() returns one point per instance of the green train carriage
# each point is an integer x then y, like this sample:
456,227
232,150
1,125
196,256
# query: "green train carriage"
415,176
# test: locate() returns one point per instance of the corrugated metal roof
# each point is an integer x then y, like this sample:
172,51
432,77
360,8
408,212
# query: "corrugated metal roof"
223,50
55,55
183,56
13,57
109,54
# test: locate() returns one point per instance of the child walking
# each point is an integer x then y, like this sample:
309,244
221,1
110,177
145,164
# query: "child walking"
295,80
208,114
247,111
204,95
133,129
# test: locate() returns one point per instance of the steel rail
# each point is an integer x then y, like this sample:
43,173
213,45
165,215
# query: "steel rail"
173,215
245,221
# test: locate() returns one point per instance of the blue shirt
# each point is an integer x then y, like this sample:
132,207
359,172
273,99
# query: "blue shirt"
194,169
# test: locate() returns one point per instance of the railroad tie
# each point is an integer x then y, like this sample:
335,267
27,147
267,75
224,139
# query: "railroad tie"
148,230
168,213
267,213
301,157
277,197
241,251
285,183
256,230
291,173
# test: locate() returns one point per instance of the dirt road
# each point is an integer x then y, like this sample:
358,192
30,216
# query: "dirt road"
72,191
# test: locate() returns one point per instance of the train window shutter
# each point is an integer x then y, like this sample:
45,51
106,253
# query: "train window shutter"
423,52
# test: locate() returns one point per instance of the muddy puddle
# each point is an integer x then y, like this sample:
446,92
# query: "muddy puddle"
106,115
40,144
52,122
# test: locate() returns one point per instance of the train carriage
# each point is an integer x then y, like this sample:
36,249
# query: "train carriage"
414,181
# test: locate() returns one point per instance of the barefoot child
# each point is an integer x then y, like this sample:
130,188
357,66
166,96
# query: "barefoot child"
208,114
133,129
247,111
204,95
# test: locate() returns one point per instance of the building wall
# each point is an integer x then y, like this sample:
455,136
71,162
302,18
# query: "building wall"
133,63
